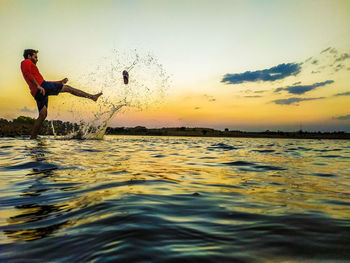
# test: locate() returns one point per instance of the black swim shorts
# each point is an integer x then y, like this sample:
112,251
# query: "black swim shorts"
51,88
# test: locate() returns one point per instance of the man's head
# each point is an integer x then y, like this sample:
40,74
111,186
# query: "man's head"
31,54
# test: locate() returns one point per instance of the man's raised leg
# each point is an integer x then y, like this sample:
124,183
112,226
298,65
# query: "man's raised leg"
39,121
80,93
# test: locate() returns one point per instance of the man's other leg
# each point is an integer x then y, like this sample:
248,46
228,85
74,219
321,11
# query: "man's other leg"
39,121
80,93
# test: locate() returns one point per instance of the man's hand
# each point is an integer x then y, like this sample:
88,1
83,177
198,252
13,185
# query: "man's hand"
64,81
42,90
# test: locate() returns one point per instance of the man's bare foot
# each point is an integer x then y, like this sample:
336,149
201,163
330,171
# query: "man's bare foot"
96,96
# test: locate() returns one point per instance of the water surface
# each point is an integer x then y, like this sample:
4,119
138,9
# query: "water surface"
174,199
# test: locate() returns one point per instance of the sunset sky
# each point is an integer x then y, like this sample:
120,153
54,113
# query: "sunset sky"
242,65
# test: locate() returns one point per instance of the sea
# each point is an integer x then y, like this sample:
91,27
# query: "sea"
174,199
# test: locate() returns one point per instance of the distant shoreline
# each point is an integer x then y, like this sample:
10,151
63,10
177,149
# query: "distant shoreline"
22,126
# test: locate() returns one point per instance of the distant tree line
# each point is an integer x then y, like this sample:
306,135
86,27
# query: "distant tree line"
23,125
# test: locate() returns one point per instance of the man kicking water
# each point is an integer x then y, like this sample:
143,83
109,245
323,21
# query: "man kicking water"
41,89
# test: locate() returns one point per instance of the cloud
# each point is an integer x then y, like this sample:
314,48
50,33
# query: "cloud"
336,65
255,91
26,110
307,60
197,108
293,100
343,94
333,51
301,89
325,50
342,57
280,71
209,98
201,97
278,90
329,50
338,57
342,118
253,96
339,67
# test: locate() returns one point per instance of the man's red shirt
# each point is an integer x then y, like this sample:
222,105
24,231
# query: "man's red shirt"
30,71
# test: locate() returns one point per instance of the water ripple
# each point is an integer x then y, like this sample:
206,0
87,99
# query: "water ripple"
169,199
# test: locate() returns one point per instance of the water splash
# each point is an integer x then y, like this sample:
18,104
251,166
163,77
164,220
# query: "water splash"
148,82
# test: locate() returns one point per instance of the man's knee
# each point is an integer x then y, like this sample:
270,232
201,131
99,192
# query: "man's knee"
43,113
66,88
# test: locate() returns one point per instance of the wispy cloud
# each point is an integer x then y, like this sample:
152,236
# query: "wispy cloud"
294,100
280,71
209,97
343,94
301,89
330,54
325,50
26,110
342,57
342,118
329,50
202,97
339,59
307,60
339,67
255,91
278,90
253,96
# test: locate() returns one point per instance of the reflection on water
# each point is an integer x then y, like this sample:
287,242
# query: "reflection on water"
172,199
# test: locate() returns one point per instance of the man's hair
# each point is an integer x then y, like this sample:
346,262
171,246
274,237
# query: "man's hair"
30,52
